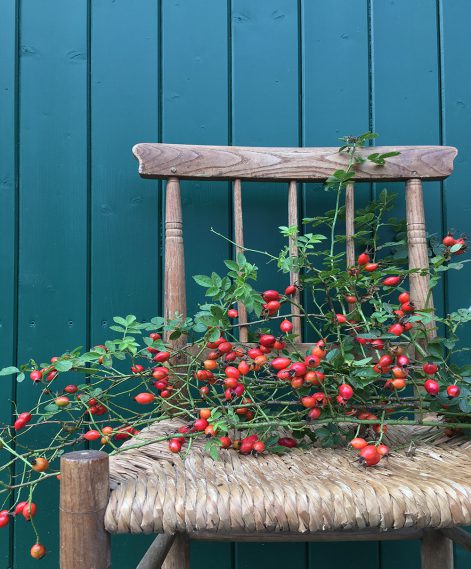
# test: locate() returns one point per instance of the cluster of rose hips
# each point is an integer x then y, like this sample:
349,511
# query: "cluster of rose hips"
27,510
369,454
449,241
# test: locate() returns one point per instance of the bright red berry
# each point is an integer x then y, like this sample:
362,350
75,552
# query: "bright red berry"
430,368
144,398
270,295
431,387
286,326
391,281
290,290
453,391
345,391
36,375
363,259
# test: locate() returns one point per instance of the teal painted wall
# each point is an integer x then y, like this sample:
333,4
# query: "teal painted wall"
80,234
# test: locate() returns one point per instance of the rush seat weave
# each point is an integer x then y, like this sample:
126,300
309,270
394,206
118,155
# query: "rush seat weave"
425,485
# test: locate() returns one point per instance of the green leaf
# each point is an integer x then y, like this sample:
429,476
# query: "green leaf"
20,377
120,321
380,159
9,370
64,365
203,280
118,329
130,319
232,265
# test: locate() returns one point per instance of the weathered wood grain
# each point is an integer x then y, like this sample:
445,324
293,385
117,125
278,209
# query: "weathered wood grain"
417,247
436,550
179,554
459,535
350,223
158,160
175,297
368,534
239,239
293,251
84,496
157,552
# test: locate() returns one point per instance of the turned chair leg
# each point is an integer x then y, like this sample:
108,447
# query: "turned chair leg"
84,494
179,555
436,550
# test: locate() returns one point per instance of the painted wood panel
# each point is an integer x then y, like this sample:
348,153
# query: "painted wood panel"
8,223
126,213
85,80
406,106
456,121
52,247
195,109
265,57
335,103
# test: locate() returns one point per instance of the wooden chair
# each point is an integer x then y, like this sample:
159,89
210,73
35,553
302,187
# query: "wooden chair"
425,498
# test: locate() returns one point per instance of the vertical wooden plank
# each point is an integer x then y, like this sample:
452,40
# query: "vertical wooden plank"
265,111
456,91
53,208
335,53
407,108
8,215
195,111
407,91
126,219
329,113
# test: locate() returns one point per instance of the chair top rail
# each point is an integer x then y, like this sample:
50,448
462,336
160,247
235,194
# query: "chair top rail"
159,160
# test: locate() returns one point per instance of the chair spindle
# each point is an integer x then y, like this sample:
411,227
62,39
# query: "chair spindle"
174,293
239,239
350,223
293,251
417,246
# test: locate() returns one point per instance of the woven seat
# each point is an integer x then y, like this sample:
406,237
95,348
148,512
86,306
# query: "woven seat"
308,490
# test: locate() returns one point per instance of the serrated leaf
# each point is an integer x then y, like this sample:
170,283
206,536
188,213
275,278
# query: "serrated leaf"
120,320
203,280
118,329
232,265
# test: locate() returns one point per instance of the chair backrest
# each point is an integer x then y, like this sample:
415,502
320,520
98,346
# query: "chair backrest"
292,165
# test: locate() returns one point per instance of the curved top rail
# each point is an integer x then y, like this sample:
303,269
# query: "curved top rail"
159,160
